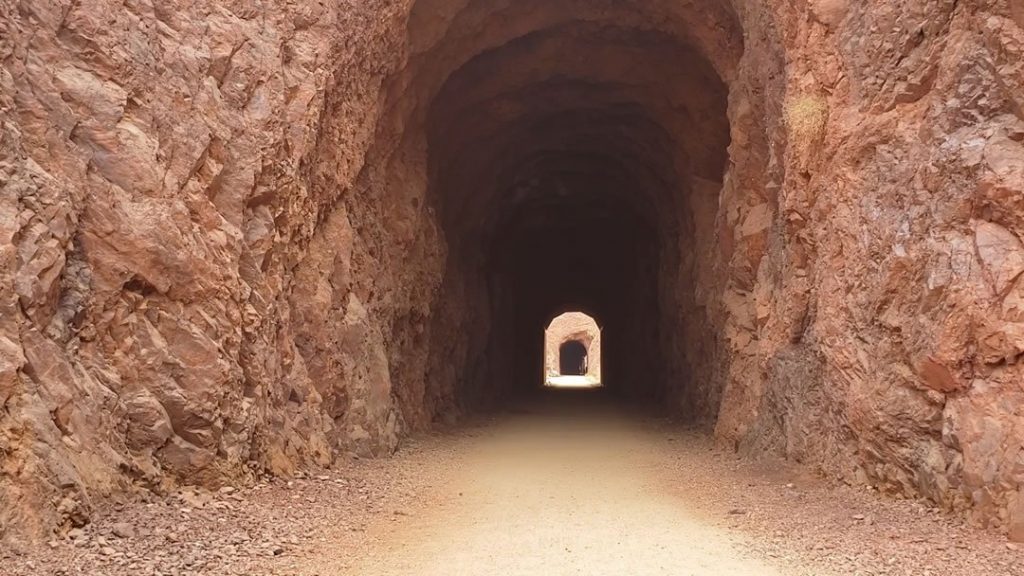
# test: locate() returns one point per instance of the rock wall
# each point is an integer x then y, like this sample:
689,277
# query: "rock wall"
193,285
882,317
220,253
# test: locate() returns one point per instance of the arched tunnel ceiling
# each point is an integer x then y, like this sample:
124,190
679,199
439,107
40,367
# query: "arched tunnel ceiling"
445,34
639,106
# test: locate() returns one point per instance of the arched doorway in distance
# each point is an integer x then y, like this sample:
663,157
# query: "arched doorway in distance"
572,351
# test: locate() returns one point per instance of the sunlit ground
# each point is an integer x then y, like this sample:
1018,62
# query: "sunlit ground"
572,382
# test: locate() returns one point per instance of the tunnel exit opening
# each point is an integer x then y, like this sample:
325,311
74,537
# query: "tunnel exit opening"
572,351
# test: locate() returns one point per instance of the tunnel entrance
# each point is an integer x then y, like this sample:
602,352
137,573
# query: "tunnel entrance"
572,358
575,158
579,166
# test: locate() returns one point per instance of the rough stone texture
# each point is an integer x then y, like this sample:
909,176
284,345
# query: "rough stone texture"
572,326
247,236
888,351
182,294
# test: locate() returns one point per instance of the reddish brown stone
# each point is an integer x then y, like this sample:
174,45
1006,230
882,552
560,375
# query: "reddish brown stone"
238,235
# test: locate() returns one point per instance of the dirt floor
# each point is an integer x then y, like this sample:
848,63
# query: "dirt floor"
568,485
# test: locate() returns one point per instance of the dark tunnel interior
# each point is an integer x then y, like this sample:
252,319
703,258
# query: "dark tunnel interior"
572,358
577,167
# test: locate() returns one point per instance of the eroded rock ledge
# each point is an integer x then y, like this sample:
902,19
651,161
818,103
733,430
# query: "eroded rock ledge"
254,237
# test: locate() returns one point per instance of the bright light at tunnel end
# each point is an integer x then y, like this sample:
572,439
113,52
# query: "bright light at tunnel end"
572,352
572,382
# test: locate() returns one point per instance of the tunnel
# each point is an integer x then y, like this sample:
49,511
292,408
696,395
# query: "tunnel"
575,155
539,157
572,358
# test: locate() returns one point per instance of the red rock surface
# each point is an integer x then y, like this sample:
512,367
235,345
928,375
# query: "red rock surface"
249,236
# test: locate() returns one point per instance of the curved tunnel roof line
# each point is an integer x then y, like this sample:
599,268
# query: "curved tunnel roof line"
568,311
602,105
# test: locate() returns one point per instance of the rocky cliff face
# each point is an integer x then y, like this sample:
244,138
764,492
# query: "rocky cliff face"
246,236
885,306
184,291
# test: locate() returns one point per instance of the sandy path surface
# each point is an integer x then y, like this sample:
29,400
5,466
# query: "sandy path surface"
567,484
562,490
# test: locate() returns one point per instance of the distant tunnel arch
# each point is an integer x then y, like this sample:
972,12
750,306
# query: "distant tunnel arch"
572,348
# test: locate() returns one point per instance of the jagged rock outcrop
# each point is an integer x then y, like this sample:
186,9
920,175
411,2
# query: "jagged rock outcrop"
240,237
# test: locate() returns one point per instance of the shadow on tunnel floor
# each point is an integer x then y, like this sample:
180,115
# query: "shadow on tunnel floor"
555,401
588,403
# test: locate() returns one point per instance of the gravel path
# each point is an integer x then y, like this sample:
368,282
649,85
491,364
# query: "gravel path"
564,487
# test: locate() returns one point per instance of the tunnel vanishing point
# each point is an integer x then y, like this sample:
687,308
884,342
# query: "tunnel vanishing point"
243,237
